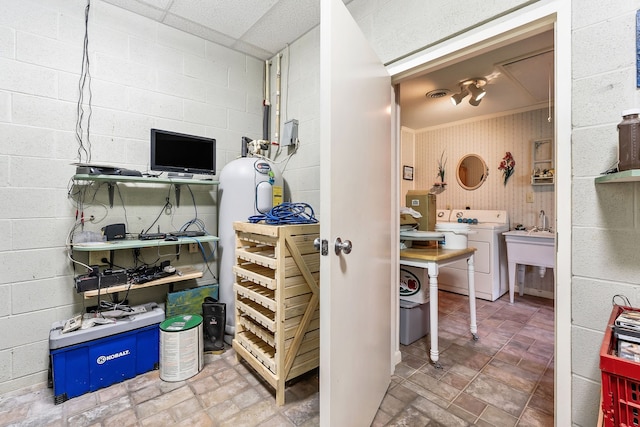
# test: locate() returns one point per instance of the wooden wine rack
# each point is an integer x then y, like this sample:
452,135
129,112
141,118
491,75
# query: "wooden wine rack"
277,298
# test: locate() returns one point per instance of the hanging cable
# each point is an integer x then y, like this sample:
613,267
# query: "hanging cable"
167,205
84,84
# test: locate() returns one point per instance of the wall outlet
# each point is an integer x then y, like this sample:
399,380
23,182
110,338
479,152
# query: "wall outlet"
193,248
530,197
95,258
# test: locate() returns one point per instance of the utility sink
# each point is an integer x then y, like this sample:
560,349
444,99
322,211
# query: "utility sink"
533,247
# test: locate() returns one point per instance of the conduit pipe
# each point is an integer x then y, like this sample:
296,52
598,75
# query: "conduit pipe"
276,139
266,118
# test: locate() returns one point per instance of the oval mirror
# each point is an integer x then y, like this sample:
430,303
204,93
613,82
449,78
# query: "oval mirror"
472,171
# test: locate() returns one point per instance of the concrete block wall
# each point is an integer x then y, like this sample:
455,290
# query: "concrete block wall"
300,100
606,228
144,75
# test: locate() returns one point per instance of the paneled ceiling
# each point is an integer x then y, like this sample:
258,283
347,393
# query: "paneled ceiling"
519,75
258,28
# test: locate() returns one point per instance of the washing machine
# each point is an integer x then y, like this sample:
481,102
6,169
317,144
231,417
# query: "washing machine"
490,258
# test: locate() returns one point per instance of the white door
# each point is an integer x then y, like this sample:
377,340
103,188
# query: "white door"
355,198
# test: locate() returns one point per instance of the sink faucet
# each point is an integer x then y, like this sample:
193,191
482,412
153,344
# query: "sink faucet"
543,221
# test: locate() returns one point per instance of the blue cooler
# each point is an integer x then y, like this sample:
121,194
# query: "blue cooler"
89,359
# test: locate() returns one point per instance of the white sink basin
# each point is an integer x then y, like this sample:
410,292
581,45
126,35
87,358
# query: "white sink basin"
530,233
535,248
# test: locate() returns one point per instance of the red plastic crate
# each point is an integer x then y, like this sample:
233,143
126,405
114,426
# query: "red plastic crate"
620,380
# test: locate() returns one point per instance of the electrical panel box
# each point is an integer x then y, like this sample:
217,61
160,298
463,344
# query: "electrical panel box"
290,133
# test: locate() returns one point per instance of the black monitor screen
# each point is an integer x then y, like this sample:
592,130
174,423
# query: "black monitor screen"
176,152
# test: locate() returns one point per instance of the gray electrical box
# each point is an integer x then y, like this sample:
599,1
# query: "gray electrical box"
290,133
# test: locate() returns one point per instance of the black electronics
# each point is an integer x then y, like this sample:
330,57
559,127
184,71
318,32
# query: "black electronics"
181,154
91,169
152,236
114,232
108,278
144,274
187,233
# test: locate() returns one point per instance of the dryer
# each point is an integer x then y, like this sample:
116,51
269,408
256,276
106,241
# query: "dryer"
490,259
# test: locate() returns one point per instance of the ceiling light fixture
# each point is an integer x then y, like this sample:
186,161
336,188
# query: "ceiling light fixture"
474,87
457,98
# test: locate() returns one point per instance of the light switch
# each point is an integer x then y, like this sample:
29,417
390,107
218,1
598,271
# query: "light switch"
530,197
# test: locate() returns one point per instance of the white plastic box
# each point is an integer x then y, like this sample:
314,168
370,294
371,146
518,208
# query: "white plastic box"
414,321
414,284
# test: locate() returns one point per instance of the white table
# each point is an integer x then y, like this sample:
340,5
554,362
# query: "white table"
432,258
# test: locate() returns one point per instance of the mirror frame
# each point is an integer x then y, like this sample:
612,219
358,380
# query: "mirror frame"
484,177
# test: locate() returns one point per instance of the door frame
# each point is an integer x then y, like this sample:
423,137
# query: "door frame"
527,21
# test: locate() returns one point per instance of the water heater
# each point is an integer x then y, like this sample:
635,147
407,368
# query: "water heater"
247,186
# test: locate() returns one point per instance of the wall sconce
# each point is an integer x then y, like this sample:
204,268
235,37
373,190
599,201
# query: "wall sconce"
473,87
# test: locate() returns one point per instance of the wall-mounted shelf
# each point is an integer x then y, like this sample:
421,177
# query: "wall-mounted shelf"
115,245
543,164
142,179
182,273
632,175
111,179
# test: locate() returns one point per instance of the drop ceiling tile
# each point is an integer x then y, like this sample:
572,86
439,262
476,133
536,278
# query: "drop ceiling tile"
142,9
159,4
252,50
283,24
202,31
233,18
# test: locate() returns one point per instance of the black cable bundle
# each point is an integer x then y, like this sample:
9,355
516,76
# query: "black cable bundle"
287,213
84,84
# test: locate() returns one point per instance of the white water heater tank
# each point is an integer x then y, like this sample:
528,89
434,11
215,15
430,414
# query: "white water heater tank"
247,186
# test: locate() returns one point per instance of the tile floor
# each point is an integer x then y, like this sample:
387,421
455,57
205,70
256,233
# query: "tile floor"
504,379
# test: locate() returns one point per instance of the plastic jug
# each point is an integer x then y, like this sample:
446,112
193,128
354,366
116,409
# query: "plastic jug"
629,140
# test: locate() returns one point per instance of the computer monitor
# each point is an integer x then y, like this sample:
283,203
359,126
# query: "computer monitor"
181,154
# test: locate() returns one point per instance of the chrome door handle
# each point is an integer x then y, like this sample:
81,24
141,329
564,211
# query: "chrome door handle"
321,245
341,246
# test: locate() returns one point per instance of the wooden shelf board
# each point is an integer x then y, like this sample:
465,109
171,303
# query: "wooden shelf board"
188,273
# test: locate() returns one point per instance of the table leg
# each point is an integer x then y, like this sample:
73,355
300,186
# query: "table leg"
433,313
472,297
512,280
521,271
